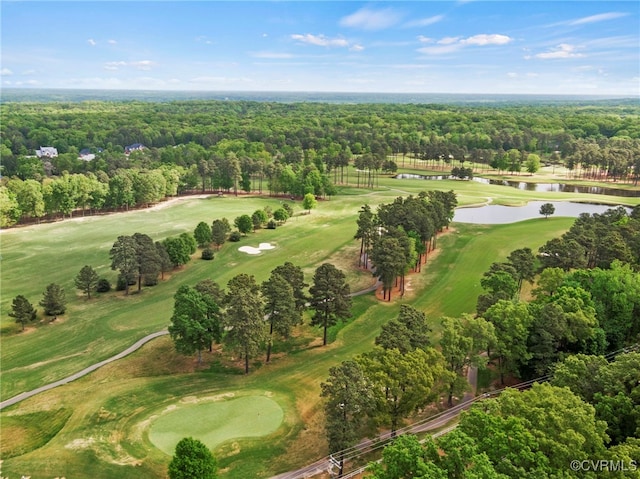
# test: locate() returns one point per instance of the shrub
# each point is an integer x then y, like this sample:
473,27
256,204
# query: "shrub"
104,286
235,236
272,224
207,254
121,284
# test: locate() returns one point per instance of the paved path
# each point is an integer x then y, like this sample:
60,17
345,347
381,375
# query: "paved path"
126,352
84,372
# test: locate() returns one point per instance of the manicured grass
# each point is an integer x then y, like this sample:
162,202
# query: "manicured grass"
107,434
27,432
216,422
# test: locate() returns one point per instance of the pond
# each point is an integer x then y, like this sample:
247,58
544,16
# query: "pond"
530,186
497,214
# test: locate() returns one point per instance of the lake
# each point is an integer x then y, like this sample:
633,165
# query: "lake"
530,186
497,214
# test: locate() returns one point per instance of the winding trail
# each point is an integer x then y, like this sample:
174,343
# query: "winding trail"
134,347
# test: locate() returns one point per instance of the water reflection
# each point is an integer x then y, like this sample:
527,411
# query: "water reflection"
497,214
539,187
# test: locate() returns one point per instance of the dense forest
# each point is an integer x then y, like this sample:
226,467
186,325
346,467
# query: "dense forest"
286,148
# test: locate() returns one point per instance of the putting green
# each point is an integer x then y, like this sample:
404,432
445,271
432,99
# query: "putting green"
216,422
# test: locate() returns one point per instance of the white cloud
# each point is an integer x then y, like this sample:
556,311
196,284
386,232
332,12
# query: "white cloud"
5,72
139,65
114,65
112,42
484,39
451,44
597,18
423,39
274,55
356,48
448,40
424,22
92,42
367,19
564,50
320,40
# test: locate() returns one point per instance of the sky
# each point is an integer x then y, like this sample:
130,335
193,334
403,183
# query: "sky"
471,46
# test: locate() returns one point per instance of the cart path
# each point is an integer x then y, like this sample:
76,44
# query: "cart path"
134,347
137,345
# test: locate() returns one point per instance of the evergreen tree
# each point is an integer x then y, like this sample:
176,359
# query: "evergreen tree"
22,310
87,280
329,297
244,317
53,300
280,308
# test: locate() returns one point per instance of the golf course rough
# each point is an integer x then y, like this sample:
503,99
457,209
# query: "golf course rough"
215,422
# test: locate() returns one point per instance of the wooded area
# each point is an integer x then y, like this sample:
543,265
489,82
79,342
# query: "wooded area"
291,149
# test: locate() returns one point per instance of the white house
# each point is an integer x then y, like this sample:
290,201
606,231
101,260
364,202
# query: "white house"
47,152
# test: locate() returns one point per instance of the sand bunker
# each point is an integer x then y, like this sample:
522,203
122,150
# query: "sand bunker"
251,250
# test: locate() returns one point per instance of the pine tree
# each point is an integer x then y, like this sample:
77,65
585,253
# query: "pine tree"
87,280
53,300
22,310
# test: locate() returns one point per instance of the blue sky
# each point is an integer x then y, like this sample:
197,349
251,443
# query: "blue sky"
533,47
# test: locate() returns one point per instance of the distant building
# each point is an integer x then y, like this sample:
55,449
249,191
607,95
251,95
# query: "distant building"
47,152
86,155
134,147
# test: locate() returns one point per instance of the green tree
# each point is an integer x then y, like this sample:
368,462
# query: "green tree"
148,260
505,440
10,212
389,260
259,218
219,230
164,259
177,250
202,234
329,297
244,317
280,308
295,277
243,223
409,331
532,164
22,310
511,321
87,280
402,383
458,351
191,328
309,202
281,215
559,420
29,196
524,262
366,233
53,300
192,460
581,374
348,397
190,243
547,210
124,258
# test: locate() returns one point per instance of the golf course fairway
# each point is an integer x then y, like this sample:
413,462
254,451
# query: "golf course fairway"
216,422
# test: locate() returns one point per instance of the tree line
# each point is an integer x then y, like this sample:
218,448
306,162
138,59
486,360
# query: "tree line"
247,317
290,149
397,237
575,317
588,410
141,260
586,298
